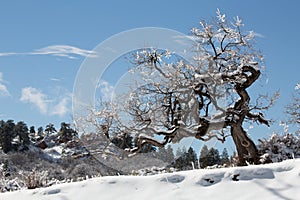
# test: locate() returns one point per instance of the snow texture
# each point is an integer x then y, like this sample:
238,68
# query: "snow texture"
270,181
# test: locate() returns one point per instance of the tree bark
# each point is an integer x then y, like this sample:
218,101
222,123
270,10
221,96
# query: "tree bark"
245,147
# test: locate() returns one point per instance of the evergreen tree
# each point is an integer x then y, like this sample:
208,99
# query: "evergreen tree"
170,154
166,155
32,133
66,133
51,129
7,135
213,157
162,153
225,157
191,158
21,130
179,161
185,159
32,130
178,153
209,157
123,141
40,132
204,157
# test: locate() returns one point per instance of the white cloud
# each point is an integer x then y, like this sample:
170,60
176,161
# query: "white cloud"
44,104
57,50
3,89
35,97
61,108
107,90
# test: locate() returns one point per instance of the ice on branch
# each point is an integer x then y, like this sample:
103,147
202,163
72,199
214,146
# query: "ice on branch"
238,22
221,16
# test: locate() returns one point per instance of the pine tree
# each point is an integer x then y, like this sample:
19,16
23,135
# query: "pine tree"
32,130
165,154
170,154
66,133
185,159
225,157
21,130
203,157
209,157
191,158
6,135
213,157
162,154
51,129
40,133
123,141
179,160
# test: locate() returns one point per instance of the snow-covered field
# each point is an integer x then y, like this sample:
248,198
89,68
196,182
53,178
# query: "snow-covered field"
272,181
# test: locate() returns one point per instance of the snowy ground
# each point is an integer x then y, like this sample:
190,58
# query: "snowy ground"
273,181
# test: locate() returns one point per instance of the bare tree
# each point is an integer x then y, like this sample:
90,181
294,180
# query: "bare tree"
205,99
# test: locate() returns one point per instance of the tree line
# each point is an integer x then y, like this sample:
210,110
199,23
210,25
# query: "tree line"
18,137
188,159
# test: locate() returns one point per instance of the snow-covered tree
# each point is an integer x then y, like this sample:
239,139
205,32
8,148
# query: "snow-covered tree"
181,103
205,99
293,109
279,147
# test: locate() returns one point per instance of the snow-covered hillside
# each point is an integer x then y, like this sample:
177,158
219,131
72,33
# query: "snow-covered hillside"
271,181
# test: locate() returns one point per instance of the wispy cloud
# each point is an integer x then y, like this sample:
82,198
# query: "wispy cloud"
259,35
7,53
67,51
3,89
55,79
64,51
44,104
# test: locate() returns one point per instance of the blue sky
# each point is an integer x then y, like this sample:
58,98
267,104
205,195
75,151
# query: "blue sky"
43,44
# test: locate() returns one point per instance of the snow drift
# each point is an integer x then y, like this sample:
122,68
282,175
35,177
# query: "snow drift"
271,181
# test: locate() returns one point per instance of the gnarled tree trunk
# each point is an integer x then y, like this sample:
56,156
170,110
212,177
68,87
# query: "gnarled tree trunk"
246,148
